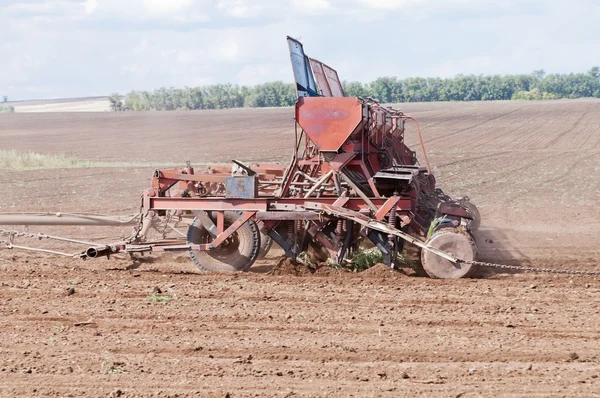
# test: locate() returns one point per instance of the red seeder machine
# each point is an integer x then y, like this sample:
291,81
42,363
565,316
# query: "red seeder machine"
351,178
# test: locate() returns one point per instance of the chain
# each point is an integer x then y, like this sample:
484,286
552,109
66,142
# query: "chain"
532,269
17,234
10,243
11,240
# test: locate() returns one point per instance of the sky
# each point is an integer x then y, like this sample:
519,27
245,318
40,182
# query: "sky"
79,48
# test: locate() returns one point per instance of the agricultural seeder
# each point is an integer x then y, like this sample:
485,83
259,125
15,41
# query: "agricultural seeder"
351,178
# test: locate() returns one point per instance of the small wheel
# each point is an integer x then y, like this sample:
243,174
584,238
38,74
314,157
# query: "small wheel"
237,253
453,241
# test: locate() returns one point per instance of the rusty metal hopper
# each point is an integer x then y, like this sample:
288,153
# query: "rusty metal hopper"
329,121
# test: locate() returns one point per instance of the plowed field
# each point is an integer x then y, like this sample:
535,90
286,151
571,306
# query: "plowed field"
102,328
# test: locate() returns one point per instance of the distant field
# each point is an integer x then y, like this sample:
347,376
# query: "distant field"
89,104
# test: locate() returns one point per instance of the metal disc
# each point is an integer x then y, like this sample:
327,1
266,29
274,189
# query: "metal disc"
476,221
456,242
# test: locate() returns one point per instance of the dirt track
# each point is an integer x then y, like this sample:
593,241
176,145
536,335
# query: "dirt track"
532,168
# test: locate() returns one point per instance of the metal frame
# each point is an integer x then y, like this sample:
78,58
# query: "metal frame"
345,178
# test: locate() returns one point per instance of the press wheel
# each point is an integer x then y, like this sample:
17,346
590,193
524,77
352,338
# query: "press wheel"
456,242
236,253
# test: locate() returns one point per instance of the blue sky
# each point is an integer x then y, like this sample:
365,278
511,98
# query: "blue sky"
72,48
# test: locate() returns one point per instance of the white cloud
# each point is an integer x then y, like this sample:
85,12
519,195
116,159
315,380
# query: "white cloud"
312,7
255,74
23,65
226,50
136,70
166,6
95,47
399,4
141,47
241,8
465,66
41,7
47,11
393,4
90,6
421,9
193,17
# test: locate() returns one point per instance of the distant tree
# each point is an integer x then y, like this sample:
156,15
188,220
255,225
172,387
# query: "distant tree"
533,94
521,82
269,95
116,102
418,89
539,73
357,89
5,98
495,88
386,89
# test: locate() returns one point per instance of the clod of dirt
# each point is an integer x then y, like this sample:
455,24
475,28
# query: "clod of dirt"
380,270
326,270
573,356
286,266
116,394
247,360
404,375
156,290
70,291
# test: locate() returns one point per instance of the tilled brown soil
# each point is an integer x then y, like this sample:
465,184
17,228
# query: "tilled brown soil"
252,334
157,327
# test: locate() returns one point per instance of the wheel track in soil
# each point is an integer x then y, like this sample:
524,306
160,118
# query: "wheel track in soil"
511,136
562,133
532,138
547,182
472,159
475,125
530,165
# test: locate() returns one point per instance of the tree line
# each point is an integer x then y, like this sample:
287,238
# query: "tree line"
217,96
534,86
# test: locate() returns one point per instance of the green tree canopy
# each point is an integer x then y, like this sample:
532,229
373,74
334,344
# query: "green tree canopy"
537,85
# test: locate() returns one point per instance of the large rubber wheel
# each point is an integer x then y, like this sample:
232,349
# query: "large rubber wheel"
237,253
453,241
